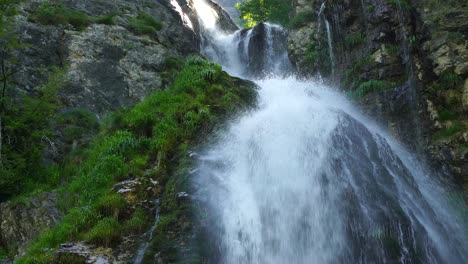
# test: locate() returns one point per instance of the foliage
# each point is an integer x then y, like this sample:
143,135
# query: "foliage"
77,124
57,14
355,39
371,86
151,134
352,73
302,19
403,4
106,232
27,131
446,115
144,24
257,11
449,132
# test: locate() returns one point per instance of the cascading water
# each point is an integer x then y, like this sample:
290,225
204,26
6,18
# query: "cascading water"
305,178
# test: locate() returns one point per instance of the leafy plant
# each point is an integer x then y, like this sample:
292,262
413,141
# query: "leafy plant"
257,11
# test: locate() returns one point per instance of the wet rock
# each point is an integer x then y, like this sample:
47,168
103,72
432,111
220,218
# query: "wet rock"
81,253
22,222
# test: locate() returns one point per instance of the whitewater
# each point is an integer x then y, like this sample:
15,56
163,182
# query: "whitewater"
305,177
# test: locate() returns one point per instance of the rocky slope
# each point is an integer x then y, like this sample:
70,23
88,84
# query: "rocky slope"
111,61
404,61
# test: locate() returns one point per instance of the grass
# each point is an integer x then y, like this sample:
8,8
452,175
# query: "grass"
144,24
77,124
150,135
355,39
57,14
106,232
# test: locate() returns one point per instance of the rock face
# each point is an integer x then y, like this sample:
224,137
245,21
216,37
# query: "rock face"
20,223
109,66
407,61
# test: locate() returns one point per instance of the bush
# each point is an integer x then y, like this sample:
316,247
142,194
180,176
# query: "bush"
144,24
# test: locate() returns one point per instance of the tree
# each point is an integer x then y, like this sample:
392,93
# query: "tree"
257,11
8,43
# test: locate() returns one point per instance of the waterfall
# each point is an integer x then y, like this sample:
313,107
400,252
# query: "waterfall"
330,45
148,236
306,178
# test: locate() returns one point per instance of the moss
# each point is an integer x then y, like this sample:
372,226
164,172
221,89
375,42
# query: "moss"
69,258
144,24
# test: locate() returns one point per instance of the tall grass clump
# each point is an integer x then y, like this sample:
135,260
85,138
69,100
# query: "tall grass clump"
144,24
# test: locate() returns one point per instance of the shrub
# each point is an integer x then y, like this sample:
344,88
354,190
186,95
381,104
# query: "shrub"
77,124
144,24
105,19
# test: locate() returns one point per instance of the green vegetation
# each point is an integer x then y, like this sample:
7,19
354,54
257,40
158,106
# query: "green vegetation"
77,124
318,55
27,125
446,115
106,232
399,3
154,134
57,14
371,86
352,74
144,24
449,132
355,39
301,19
257,11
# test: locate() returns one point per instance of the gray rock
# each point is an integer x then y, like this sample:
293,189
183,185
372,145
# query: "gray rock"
22,222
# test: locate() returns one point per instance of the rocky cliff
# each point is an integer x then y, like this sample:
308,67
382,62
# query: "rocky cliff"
404,61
